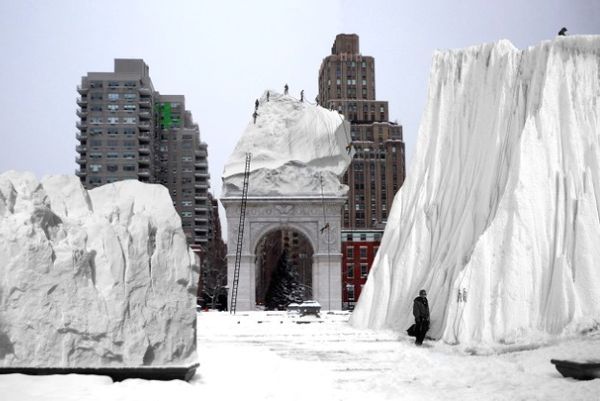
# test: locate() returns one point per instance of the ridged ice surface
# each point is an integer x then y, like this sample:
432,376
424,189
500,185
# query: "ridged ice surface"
93,278
295,147
502,202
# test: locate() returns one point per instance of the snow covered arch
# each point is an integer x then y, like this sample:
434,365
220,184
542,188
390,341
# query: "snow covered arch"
316,218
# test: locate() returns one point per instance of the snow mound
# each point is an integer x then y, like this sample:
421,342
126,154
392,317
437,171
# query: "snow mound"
295,146
98,278
499,219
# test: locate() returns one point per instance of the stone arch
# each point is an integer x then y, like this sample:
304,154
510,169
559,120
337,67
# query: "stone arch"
270,227
268,251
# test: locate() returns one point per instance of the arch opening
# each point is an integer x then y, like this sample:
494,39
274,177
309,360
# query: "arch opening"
284,259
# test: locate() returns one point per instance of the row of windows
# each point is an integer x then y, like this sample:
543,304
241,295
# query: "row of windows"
114,142
113,84
95,168
127,131
114,107
112,96
112,155
350,267
113,120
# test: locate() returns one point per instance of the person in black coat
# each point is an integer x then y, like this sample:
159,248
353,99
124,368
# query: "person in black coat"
562,32
421,313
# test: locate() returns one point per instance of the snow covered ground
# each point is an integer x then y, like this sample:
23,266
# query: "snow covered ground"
267,356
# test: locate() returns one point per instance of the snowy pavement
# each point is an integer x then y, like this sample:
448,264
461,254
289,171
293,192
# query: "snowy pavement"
267,356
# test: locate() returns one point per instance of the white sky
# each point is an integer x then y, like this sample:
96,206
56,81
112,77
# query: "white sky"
222,55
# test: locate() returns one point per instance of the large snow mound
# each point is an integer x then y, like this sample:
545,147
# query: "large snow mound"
503,199
98,278
296,147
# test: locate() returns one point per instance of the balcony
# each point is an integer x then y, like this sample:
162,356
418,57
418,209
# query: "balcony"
144,137
81,124
81,113
145,173
144,115
199,208
201,174
201,163
80,160
144,160
82,101
144,91
81,136
145,103
201,153
201,185
144,126
81,149
82,90
144,150
80,173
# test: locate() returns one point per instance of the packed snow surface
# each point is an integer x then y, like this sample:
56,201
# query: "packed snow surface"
295,147
93,278
262,356
499,218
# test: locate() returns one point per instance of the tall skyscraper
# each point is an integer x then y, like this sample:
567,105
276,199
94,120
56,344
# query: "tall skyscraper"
127,130
347,84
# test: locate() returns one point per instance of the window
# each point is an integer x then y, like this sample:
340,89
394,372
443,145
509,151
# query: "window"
350,252
186,203
94,168
350,290
129,96
128,167
95,155
113,84
350,270
96,120
129,107
186,214
96,142
364,270
128,155
129,131
363,252
129,120
112,155
112,168
112,142
113,120
113,96
112,107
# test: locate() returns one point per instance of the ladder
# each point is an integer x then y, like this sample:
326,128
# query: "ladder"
240,236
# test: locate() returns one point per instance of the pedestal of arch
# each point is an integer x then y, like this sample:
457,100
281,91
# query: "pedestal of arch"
318,219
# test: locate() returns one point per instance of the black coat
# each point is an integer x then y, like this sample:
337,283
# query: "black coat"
421,309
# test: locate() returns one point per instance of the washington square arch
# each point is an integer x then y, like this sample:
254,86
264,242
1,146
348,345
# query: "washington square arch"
309,226
289,161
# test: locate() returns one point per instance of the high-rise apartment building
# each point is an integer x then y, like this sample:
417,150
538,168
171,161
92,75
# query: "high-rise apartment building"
347,84
127,130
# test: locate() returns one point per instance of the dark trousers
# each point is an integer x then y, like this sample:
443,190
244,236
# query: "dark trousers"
420,331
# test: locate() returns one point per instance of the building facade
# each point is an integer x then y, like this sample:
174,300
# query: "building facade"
347,84
128,130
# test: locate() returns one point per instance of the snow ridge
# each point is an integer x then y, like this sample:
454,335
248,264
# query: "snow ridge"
499,218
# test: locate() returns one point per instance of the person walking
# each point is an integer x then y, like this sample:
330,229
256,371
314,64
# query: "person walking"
256,105
421,314
254,115
562,32
302,95
286,89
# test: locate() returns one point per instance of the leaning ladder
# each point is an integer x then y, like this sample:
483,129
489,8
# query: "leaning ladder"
240,236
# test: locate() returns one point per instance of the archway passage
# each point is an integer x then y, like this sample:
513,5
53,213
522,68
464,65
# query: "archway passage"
283,268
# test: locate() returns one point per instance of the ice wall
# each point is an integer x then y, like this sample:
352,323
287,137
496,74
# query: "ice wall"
295,146
93,278
502,201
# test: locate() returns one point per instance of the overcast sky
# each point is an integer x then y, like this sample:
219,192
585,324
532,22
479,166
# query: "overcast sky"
222,55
